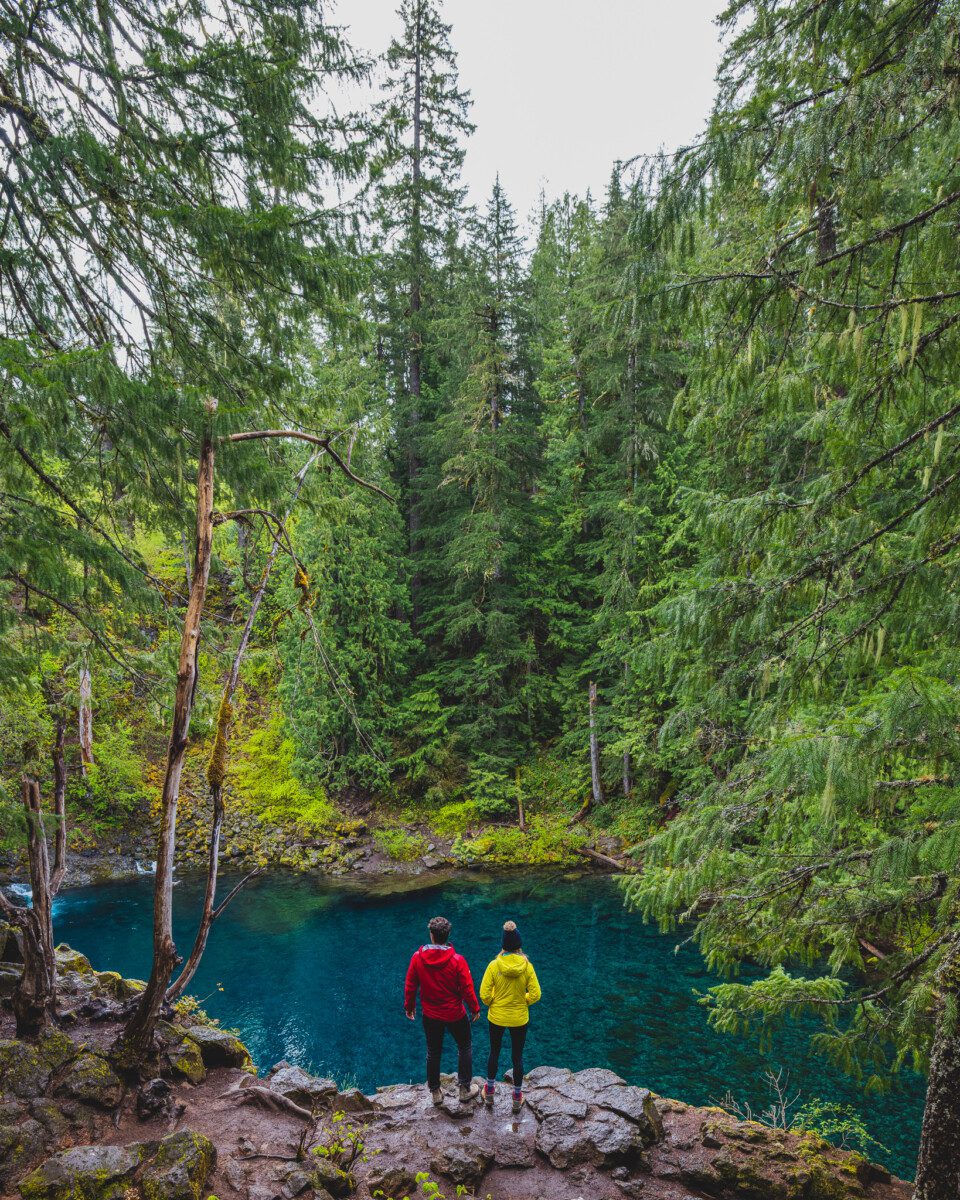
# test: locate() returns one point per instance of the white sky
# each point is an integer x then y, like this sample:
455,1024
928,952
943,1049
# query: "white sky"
563,88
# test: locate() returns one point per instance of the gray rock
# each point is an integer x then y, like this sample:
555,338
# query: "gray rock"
9,978
595,1079
69,959
218,1048
353,1100
637,1105
20,1146
328,1176
92,1080
180,1168
299,1086
392,1179
465,1164
514,1151
23,1070
91,1172
605,1140
545,1102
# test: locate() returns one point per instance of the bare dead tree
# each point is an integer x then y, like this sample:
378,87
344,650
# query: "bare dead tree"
35,996
135,1041
85,718
217,767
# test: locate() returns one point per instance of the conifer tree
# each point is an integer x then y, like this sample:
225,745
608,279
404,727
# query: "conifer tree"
479,528
422,122
811,668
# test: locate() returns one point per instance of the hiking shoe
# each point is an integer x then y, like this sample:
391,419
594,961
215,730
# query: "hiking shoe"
517,1100
488,1091
468,1092
436,1096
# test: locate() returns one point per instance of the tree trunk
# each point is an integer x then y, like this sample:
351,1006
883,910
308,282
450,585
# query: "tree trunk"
217,767
522,820
938,1164
597,787
59,809
86,719
137,1037
35,997
416,299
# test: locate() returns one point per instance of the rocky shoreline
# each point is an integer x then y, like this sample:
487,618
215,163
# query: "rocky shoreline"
202,1123
349,847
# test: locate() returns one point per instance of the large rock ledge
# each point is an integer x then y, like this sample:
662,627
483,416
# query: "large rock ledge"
72,1128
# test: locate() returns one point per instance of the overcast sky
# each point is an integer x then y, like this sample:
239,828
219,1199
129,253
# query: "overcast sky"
563,88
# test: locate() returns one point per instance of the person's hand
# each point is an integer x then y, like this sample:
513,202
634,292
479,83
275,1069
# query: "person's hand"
476,1015
411,1016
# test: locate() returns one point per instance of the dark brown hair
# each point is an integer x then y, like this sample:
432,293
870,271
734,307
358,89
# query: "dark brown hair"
439,929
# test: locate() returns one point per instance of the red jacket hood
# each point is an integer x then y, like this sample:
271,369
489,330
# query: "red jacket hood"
436,956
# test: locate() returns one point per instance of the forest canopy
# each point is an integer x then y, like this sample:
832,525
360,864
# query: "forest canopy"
647,520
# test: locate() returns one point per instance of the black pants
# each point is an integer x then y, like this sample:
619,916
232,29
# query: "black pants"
518,1035
460,1032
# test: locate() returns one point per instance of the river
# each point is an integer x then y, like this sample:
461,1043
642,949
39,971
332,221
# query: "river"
312,971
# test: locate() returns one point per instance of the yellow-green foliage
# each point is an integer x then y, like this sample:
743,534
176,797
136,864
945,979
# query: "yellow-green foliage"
400,844
454,819
263,779
546,840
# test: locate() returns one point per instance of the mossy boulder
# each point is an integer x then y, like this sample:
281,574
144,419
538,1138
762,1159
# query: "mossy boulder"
23,1070
219,1048
117,987
185,1059
84,1173
20,1145
180,1168
92,1080
69,959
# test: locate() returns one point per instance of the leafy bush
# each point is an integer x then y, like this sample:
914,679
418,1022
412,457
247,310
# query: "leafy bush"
263,778
546,840
400,844
839,1124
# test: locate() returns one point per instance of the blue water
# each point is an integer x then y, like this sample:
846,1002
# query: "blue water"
312,972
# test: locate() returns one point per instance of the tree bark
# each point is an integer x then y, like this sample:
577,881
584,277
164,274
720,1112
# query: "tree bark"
217,767
35,997
938,1164
596,786
136,1039
59,809
416,301
86,719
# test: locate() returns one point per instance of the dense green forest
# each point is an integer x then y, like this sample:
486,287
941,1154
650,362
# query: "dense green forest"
647,519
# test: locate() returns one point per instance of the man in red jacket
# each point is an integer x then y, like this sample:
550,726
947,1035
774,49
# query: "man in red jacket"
442,977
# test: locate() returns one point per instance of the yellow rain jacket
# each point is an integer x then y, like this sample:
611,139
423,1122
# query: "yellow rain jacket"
508,989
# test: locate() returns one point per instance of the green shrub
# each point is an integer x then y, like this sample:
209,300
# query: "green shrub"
453,819
546,840
400,844
263,778
839,1124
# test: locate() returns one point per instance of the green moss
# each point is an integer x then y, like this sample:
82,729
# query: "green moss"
265,782
400,844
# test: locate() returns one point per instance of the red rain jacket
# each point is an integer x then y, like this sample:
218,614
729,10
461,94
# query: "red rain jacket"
444,982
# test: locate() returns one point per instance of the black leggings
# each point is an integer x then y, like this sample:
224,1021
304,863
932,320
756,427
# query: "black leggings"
460,1032
518,1035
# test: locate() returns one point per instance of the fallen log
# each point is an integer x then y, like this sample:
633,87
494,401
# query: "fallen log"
605,859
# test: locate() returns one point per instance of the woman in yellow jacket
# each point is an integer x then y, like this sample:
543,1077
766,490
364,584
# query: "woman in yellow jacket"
508,989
